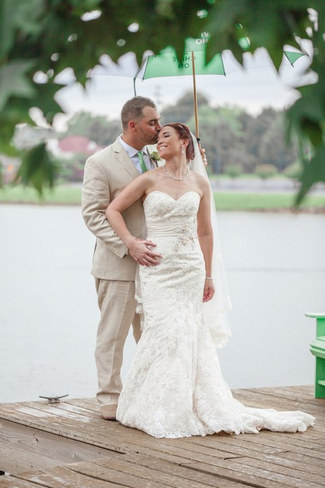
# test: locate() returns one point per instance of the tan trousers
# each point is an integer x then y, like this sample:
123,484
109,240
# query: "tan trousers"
117,306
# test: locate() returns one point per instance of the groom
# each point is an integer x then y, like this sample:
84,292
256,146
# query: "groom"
106,174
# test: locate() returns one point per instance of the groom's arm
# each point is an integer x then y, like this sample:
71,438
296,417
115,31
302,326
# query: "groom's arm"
96,196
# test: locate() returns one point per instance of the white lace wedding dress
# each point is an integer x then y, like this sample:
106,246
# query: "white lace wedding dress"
175,386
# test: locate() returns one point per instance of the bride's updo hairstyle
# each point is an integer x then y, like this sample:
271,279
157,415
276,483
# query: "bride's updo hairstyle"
184,133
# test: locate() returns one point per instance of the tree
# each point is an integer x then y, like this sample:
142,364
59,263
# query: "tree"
40,38
233,170
273,149
220,142
183,110
265,171
232,137
293,171
96,127
256,128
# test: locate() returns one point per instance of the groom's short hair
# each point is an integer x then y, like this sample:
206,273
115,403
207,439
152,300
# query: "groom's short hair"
132,109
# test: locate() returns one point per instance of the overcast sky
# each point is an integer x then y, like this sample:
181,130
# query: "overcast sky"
253,88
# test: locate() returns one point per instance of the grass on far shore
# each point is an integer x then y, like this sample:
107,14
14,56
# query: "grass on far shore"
71,195
59,195
265,201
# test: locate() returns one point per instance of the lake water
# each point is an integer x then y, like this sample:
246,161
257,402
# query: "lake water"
48,314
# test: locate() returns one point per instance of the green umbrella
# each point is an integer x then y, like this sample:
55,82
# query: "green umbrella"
193,63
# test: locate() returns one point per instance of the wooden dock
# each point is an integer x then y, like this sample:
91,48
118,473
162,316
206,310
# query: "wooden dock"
69,445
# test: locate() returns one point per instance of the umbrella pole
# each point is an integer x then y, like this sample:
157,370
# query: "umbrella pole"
197,133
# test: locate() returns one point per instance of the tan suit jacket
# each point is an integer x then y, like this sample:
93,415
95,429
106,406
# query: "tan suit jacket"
107,172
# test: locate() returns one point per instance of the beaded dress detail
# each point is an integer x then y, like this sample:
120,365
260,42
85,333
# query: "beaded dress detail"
175,386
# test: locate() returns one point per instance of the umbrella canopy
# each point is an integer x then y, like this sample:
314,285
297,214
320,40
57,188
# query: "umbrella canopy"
193,63
167,64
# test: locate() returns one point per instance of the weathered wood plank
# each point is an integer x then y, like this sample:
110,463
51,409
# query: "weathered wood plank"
11,482
259,399
90,404
265,442
263,451
313,470
63,477
136,475
96,432
257,476
302,393
284,467
172,467
23,448
92,477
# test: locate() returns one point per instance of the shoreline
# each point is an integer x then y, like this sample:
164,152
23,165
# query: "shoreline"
228,200
288,210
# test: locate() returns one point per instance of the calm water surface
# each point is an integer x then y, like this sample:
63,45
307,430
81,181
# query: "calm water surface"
48,315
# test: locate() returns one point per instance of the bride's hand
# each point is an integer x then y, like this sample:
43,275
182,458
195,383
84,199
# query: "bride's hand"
209,290
140,250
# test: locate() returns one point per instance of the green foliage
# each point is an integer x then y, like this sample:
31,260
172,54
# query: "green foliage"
96,127
265,171
273,149
264,201
71,169
293,171
233,170
183,110
256,128
40,38
36,168
60,194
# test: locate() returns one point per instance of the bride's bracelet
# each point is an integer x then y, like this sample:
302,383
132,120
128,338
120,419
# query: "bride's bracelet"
208,278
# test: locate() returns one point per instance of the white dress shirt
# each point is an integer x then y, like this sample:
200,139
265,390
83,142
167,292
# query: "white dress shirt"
133,155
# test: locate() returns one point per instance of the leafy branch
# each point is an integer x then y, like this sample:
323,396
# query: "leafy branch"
39,39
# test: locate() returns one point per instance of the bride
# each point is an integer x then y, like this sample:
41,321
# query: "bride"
175,386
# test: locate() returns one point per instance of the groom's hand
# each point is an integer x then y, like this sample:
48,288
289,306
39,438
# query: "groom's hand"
204,158
141,252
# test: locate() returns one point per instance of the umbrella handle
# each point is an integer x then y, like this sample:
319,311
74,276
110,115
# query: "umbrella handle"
197,133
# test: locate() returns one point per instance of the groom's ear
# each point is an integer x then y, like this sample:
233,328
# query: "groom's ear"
131,125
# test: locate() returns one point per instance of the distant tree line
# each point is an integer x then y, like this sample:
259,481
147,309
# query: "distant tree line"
235,141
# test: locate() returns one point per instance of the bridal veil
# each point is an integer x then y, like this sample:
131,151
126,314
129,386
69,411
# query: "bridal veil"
215,311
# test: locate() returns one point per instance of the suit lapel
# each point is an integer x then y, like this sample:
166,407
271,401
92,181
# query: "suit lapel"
124,160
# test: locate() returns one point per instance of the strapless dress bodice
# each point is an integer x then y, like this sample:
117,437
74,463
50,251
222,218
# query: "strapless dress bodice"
166,216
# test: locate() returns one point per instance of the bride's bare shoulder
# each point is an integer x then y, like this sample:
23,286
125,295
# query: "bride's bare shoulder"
150,178
154,173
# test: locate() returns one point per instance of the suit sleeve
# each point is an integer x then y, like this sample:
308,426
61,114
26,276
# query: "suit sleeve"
95,199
